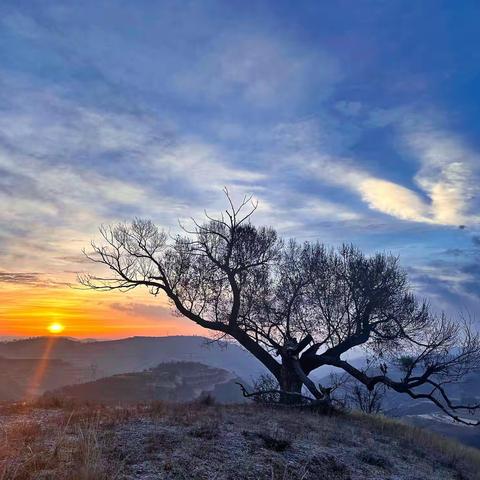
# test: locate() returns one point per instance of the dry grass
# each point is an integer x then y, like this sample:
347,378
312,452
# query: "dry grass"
463,459
202,441
88,453
61,445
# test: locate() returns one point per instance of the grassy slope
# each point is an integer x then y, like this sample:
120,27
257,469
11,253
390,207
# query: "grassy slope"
198,441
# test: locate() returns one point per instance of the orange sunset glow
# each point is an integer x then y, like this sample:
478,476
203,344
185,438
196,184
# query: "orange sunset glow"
56,327
68,311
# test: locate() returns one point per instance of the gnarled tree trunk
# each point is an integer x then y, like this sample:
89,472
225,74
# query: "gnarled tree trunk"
290,383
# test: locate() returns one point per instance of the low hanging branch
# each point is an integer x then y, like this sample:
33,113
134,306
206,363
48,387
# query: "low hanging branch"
295,307
261,393
301,400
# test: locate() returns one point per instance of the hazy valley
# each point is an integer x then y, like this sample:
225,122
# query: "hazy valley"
173,369
96,359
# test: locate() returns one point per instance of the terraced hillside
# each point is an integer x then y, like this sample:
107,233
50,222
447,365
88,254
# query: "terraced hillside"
175,382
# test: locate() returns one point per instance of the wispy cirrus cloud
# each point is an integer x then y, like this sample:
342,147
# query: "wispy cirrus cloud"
262,69
28,279
19,278
449,174
452,286
394,200
66,169
446,181
144,310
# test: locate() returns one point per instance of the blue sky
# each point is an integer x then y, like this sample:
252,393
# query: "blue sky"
354,121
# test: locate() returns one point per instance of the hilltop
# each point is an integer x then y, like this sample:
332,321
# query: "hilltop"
173,381
237,442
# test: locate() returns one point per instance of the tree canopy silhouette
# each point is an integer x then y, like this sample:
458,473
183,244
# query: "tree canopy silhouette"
295,306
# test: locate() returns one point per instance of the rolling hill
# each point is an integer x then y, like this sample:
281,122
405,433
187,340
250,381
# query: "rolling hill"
173,382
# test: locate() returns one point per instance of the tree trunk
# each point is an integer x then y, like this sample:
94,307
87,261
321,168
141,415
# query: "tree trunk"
289,383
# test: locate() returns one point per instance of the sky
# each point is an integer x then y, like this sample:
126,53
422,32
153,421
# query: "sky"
350,121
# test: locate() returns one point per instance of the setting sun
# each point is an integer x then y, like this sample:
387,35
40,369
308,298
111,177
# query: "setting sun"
56,327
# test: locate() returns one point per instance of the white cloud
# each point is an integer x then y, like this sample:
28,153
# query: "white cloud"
379,194
448,176
325,210
393,199
204,163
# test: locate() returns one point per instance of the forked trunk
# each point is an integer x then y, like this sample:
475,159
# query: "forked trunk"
290,384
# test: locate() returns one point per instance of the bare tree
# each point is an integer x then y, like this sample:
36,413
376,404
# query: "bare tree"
367,400
266,389
295,307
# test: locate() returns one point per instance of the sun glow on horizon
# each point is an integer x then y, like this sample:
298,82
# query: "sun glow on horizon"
56,327
27,312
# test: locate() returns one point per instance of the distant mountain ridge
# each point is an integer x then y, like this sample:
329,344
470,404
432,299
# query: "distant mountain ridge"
21,379
109,357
